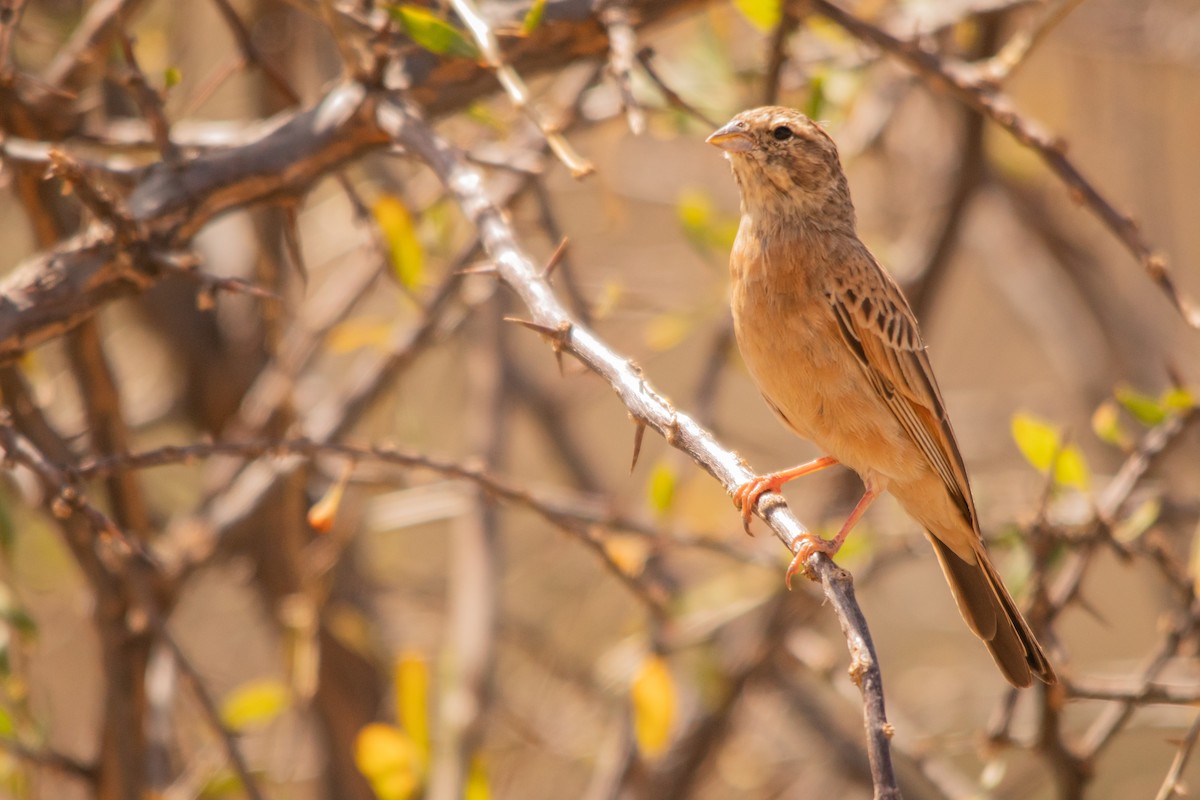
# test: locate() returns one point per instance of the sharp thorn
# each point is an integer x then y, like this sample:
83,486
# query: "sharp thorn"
537,327
486,268
556,258
639,433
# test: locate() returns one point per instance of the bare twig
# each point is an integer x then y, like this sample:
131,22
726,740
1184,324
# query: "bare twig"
621,43
515,87
1170,786
645,57
1001,66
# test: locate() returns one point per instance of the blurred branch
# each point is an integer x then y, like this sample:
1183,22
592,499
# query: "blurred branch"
84,51
969,176
645,57
468,658
1171,786
514,86
49,759
790,16
1016,50
647,406
622,43
952,75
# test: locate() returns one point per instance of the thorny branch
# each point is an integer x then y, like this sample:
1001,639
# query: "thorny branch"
647,407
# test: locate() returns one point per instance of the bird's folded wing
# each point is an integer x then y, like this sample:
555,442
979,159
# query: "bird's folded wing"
879,328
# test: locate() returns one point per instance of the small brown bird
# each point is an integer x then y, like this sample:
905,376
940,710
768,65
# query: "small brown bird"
834,347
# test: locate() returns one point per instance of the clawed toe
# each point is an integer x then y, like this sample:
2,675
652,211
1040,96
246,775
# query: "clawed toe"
808,546
745,497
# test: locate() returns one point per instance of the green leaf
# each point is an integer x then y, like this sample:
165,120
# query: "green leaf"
533,17
1140,521
21,621
815,105
404,248
433,33
762,14
172,76
8,728
660,488
254,703
1145,409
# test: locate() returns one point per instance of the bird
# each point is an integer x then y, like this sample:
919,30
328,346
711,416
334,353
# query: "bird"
834,347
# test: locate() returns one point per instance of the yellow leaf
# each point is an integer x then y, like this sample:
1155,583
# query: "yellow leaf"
254,703
1106,423
355,334
1145,409
533,17
762,14
1037,439
653,698
694,210
701,224
1071,469
411,678
629,553
477,787
171,77
1178,399
432,32
404,249
660,488
666,331
389,760
224,783
1041,444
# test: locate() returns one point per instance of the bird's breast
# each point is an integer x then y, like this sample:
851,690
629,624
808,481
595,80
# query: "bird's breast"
794,351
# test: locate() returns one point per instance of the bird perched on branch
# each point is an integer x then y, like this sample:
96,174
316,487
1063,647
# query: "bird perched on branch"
834,347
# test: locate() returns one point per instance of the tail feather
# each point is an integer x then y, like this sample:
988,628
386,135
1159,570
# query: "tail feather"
993,616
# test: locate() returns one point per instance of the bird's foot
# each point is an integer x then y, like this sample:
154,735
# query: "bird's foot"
810,545
745,497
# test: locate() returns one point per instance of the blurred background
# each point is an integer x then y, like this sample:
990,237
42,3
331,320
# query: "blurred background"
502,609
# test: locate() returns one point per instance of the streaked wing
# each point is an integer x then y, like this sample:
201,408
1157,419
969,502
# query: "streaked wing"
880,329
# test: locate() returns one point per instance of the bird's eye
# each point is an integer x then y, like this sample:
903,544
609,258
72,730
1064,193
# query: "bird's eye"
782,133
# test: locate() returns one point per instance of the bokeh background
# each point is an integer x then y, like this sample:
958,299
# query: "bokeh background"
443,641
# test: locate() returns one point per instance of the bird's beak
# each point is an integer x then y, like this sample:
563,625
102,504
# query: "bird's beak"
731,138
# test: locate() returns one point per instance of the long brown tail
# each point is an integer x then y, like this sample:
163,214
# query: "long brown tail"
989,610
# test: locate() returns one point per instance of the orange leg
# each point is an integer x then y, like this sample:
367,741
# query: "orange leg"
745,497
814,544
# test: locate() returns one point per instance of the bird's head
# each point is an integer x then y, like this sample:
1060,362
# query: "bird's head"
787,167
